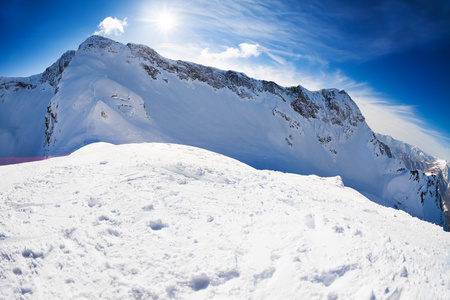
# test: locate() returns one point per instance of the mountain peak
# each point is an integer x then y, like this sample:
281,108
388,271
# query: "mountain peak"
53,73
99,42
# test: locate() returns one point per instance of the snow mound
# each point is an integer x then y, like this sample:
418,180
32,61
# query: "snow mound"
160,221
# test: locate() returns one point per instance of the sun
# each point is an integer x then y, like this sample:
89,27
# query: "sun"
166,22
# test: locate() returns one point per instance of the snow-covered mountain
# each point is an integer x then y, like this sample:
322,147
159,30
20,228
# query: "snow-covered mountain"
416,159
107,91
165,221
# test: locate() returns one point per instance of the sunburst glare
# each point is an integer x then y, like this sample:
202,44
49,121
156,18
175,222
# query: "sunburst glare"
166,22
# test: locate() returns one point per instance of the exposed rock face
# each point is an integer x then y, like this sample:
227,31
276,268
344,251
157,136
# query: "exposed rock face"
16,85
303,104
53,74
239,83
50,122
107,91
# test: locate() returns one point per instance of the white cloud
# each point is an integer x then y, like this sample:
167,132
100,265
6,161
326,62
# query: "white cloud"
111,26
245,50
248,50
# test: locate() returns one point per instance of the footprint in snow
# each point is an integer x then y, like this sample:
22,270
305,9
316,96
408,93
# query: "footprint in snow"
112,232
310,221
267,273
27,253
338,229
93,201
17,271
148,207
200,282
103,218
24,291
157,225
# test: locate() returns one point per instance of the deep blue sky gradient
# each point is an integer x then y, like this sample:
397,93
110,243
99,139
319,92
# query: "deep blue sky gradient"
400,49
419,77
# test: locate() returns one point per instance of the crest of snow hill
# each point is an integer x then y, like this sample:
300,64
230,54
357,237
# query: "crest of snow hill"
110,92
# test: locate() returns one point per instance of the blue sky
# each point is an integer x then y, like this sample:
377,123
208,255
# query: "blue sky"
391,56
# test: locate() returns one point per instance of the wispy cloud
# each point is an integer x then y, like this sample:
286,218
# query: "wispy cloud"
111,26
330,29
245,50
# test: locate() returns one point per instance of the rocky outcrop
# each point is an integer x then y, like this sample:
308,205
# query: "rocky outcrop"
51,118
303,104
16,85
239,83
53,74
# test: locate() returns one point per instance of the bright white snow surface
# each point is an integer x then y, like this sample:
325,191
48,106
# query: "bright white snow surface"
145,221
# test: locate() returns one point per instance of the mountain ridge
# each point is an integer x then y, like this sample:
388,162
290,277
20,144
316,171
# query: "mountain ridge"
416,159
116,93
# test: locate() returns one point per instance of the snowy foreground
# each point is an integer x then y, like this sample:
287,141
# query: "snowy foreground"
163,221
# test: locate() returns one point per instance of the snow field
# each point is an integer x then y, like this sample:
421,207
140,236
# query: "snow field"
161,221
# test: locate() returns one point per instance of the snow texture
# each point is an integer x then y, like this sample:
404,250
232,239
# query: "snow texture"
110,92
82,227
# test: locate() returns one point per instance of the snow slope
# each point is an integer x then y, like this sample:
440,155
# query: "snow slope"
110,92
23,103
412,156
161,221
416,159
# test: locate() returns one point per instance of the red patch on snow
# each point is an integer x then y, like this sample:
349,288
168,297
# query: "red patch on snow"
18,160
